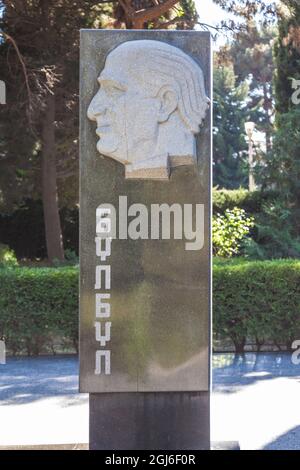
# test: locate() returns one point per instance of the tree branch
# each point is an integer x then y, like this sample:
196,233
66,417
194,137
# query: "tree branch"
141,17
10,39
136,19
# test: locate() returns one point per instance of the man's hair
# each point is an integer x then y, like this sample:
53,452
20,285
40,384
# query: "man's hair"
168,66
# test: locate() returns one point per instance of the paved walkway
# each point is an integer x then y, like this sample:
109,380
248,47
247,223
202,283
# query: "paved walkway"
40,403
255,401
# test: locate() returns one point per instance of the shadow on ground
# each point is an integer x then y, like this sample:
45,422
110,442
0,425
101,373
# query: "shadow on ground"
24,380
231,372
288,441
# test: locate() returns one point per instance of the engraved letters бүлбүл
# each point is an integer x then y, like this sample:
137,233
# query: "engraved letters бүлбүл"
102,309
149,107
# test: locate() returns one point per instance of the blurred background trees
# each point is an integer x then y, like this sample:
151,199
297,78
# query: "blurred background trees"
230,115
255,71
39,57
280,168
256,77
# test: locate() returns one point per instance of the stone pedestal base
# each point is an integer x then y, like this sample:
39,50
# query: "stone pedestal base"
149,421
225,445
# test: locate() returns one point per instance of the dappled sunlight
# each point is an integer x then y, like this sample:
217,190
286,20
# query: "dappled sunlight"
25,380
254,401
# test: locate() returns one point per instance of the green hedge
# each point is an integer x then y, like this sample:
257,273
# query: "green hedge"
257,299
39,309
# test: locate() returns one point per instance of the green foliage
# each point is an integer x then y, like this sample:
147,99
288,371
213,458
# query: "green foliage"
7,256
248,8
279,222
259,300
251,201
275,235
71,257
230,114
229,230
47,36
278,226
252,299
282,165
252,56
23,230
287,54
38,308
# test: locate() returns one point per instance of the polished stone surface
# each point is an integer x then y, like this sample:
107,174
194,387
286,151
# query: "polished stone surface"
160,292
149,421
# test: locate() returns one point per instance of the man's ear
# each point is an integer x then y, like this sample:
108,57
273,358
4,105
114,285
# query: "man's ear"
168,103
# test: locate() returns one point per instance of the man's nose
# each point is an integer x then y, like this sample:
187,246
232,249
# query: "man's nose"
96,107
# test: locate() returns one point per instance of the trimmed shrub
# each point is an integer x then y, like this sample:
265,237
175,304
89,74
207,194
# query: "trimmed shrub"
252,299
257,299
39,309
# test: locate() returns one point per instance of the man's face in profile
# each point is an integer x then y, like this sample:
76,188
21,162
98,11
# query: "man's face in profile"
127,116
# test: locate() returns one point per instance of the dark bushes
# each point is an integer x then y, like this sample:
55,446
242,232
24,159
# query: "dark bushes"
24,232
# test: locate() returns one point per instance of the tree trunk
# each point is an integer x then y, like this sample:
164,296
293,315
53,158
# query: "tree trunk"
53,231
239,344
259,343
267,104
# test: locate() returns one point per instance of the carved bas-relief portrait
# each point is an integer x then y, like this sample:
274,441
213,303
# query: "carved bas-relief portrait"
149,107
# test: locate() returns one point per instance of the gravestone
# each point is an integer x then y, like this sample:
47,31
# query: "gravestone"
145,248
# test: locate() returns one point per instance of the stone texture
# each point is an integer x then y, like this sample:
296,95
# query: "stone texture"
150,105
161,293
150,421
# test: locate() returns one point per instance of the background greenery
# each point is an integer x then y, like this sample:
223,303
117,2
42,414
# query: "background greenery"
257,301
256,234
39,309
254,301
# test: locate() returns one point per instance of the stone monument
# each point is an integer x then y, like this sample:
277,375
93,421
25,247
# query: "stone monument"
145,248
148,111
